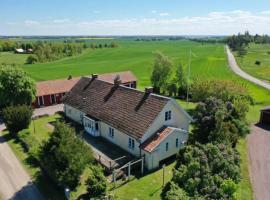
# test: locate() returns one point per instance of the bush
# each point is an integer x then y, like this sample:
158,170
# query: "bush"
96,183
173,192
205,172
226,90
65,156
257,62
17,118
32,59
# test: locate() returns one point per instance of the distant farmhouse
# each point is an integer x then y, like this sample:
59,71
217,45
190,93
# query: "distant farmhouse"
51,92
142,123
22,51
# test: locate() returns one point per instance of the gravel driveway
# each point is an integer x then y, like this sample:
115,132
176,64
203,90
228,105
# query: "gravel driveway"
259,160
234,66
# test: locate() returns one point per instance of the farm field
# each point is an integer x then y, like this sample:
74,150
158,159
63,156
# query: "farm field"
257,52
208,61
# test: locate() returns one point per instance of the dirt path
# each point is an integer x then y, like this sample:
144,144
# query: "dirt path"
259,159
234,66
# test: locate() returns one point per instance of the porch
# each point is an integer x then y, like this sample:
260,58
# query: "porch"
107,154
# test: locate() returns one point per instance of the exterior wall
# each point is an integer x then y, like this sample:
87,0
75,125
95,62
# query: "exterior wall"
120,139
178,120
47,100
74,114
152,159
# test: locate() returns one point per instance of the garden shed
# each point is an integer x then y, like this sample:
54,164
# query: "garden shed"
265,116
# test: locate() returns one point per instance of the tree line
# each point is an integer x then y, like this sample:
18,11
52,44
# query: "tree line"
105,45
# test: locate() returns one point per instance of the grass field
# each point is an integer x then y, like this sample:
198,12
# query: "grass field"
9,58
208,61
260,52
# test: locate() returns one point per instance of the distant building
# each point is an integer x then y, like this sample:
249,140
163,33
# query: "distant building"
142,123
18,51
51,92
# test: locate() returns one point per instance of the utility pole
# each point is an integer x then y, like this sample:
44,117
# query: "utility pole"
188,75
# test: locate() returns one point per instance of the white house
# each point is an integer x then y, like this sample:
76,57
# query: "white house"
142,123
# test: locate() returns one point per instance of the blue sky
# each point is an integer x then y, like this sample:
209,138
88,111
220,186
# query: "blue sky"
133,17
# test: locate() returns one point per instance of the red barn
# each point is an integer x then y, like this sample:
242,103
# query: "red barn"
51,92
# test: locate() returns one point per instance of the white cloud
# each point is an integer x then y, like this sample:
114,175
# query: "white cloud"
164,14
214,23
266,12
60,21
153,11
31,23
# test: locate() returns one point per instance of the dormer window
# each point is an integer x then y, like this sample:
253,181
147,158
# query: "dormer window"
168,115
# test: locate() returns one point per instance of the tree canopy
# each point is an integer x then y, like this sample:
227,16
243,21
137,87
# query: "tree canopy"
16,87
65,156
204,172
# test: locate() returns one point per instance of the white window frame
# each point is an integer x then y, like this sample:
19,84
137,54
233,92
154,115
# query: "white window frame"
168,115
167,146
131,143
111,132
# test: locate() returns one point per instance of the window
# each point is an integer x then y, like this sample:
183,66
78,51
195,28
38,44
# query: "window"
167,146
168,115
176,142
131,143
111,132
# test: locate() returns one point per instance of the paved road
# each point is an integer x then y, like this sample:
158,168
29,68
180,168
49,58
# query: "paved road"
234,66
15,183
259,160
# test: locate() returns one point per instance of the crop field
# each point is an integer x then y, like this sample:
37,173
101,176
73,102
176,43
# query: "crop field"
208,61
257,52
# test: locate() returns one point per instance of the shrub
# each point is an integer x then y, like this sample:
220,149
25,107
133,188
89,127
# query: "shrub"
96,183
226,90
17,118
32,59
173,192
205,172
257,62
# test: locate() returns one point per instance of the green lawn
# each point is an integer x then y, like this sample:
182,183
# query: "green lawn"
260,52
146,188
10,58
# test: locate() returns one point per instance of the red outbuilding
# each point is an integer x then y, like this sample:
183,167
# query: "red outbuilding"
51,92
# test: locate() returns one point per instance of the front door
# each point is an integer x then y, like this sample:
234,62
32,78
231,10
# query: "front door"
53,99
91,127
40,101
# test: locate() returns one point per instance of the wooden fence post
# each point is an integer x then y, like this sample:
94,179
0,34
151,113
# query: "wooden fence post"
142,165
128,170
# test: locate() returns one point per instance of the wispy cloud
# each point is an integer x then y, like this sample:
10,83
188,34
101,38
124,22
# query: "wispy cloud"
153,11
214,23
31,23
164,14
96,11
60,21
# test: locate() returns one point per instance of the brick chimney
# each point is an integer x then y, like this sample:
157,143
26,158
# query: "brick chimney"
117,80
149,90
94,76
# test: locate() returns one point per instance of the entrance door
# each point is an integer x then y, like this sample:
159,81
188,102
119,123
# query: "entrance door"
53,100
40,101
91,127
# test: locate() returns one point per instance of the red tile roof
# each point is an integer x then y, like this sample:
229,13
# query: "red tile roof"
150,144
129,110
65,85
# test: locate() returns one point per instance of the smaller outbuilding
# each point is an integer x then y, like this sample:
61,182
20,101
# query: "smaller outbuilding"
265,116
19,51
